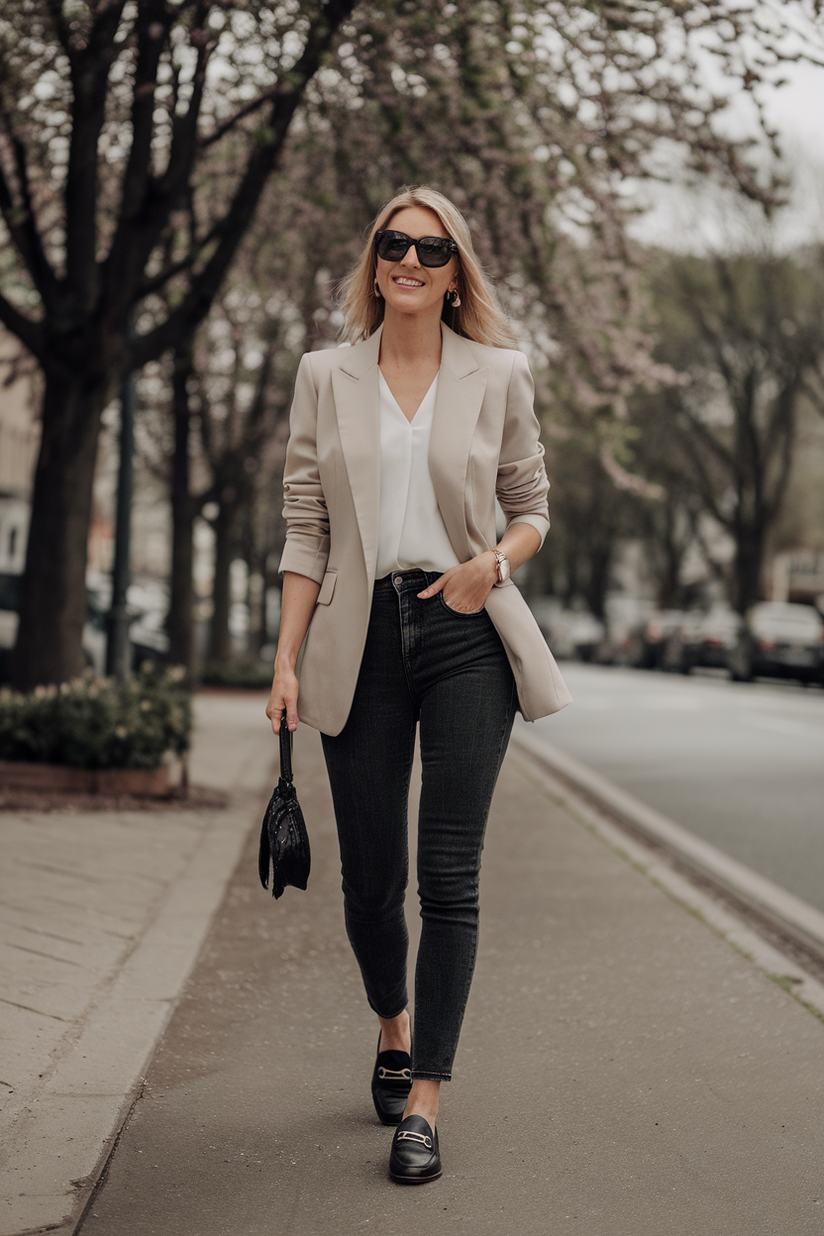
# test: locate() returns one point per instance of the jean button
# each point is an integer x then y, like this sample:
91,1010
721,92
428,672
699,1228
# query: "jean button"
398,579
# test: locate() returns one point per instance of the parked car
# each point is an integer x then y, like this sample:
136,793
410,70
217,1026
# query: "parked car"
148,603
571,634
780,639
9,601
703,639
147,609
645,644
94,632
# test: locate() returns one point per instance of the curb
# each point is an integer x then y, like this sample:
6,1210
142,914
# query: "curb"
793,918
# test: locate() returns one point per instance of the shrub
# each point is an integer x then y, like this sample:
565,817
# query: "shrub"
248,673
98,722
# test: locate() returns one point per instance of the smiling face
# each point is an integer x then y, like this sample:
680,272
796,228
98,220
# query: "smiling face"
406,286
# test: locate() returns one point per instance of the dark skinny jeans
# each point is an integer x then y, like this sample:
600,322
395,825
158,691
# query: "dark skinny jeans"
422,662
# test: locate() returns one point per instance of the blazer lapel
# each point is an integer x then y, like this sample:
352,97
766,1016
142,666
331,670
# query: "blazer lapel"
357,406
461,388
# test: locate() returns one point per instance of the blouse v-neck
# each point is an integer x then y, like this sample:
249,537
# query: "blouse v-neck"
411,529
386,388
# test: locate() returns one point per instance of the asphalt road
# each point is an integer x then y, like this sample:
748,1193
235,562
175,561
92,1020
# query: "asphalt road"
739,764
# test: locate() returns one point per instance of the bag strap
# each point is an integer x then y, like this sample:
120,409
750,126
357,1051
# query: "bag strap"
285,737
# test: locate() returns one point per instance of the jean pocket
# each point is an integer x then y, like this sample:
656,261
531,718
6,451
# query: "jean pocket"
457,613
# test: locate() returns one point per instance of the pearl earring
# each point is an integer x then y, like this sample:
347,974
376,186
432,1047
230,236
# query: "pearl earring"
454,299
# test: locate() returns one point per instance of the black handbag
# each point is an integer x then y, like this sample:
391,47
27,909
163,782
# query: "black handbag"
284,841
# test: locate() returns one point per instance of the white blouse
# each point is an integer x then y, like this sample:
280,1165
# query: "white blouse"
412,532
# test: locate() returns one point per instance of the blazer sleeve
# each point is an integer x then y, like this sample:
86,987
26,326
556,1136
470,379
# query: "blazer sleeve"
304,507
522,485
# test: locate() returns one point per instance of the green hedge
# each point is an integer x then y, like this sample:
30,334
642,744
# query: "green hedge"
248,673
98,722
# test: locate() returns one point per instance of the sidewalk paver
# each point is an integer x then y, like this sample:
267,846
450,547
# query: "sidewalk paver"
623,1070
102,916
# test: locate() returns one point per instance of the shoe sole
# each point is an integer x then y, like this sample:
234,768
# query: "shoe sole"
413,1180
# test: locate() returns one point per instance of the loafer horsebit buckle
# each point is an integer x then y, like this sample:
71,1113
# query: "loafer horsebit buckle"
406,1135
394,1074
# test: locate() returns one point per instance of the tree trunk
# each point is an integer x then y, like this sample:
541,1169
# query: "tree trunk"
672,551
53,602
255,599
572,562
220,645
749,558
180,619
595,592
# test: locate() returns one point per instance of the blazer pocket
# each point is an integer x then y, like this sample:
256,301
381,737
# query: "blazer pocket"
327,588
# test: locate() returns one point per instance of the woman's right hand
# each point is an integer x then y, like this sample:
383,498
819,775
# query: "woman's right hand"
284,694
296,608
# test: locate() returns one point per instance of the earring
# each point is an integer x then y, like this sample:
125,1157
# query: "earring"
377,289
454,298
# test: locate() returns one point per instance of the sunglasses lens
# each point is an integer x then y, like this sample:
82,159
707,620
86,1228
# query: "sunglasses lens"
433,251
392,246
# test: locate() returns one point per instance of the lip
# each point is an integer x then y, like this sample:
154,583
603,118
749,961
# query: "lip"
407,281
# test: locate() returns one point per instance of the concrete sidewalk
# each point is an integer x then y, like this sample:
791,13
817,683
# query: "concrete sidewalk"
628,1067
624,1071
103,915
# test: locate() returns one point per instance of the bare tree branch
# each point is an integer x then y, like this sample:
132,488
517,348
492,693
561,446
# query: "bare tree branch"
21,223
90,59
158,281
248,110
28,332
204,285
126,255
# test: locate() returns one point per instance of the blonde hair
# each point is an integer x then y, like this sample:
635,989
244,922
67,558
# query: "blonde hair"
479,316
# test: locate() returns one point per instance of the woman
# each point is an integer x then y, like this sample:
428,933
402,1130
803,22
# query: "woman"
398,447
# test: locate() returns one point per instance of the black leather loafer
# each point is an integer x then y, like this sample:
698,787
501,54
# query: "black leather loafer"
415,1158
391,1083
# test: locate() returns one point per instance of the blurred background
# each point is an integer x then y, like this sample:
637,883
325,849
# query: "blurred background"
183,187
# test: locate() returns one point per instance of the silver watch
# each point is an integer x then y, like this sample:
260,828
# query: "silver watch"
502,565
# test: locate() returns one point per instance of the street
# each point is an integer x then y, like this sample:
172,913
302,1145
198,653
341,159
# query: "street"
739,764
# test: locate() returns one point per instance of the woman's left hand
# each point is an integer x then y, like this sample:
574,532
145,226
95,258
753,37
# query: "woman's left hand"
465,587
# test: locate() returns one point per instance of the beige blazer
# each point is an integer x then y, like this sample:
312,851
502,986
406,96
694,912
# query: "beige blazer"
485,442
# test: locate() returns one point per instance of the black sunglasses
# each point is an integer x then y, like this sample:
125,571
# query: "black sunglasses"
431,250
